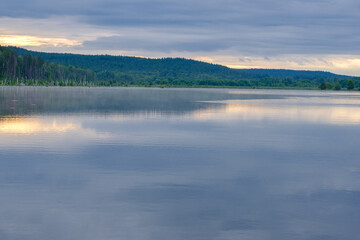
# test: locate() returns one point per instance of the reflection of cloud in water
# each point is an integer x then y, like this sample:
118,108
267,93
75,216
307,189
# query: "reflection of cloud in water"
233,170
18,125
156,127
46,133
259,111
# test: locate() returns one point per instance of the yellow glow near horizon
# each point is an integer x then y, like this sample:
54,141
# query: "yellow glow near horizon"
339,64
25,40
31,126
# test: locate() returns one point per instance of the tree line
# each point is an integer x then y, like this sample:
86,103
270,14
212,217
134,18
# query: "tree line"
348,84
34,70
19,66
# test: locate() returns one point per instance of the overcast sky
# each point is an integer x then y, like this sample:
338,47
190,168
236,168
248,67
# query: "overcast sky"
295,34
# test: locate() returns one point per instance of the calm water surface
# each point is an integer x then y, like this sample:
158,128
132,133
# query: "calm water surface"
160,164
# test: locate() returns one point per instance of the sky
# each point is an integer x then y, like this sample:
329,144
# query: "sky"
281,34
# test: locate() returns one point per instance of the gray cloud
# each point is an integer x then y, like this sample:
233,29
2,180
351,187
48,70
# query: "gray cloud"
158,44
235,27
256,12
248,40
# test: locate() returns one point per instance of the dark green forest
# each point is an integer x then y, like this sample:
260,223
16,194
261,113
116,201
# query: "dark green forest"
34,70
21,66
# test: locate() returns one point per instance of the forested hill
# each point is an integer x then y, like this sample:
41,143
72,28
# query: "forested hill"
106,70
171,67
157,68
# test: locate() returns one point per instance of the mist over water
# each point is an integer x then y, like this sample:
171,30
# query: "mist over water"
146,164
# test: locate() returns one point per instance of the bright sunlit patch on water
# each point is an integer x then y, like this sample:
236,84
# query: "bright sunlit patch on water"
25,40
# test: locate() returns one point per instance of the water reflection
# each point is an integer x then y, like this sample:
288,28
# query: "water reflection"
78,163
273,111
18,125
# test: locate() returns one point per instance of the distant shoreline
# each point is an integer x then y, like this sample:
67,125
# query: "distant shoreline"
186,87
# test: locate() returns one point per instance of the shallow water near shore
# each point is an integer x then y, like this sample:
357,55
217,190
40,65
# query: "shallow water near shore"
146,163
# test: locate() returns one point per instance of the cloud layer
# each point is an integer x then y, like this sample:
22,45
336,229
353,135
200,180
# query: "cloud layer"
197,28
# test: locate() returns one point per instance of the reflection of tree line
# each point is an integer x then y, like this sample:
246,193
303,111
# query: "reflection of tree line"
32,100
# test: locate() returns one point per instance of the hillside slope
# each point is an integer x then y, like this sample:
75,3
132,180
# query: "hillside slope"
124,71
164,67
172,67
